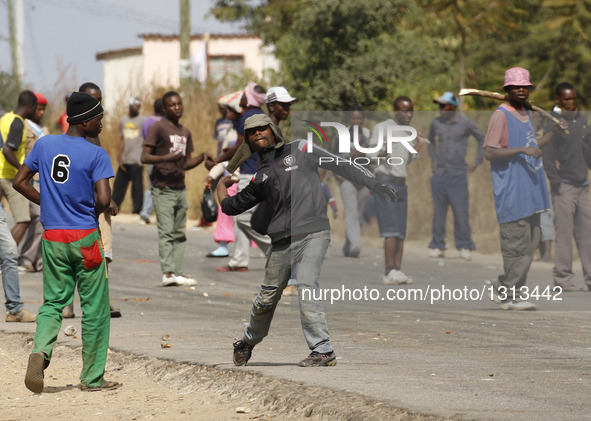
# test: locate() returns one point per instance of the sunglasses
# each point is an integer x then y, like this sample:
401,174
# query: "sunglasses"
256,129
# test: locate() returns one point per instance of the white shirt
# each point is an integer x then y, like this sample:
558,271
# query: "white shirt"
398,151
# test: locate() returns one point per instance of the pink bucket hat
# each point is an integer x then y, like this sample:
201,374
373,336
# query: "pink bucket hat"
517,76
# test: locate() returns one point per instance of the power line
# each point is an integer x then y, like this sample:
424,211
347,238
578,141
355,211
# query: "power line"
120,13
33,45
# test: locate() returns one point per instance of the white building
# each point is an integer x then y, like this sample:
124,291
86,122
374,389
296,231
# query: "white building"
137,71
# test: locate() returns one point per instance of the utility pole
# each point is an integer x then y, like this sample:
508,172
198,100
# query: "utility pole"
185,39
20,38
16,71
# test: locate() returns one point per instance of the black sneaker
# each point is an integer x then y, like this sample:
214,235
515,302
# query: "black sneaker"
316,359
242,352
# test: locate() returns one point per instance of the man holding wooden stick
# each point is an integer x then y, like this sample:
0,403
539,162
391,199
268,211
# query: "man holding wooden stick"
519,186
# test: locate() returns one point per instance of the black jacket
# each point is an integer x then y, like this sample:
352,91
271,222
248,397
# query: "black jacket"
564,155
288,185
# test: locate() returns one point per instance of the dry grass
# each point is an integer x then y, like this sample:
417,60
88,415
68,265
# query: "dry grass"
485,229
201,112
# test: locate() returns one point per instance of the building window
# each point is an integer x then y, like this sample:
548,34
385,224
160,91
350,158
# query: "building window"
223,66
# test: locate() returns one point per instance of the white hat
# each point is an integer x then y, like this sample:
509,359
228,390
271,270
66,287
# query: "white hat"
278,94
134,100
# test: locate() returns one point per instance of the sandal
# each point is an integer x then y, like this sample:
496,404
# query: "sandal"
105,386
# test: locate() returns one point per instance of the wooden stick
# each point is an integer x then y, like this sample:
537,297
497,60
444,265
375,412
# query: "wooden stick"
502,97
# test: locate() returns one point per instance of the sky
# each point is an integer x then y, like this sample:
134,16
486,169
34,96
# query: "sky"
62,37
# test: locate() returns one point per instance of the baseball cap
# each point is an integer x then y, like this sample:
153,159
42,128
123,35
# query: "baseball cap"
447,98
278,94
134,100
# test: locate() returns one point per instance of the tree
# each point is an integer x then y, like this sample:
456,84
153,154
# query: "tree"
569,55
336,54
10,90
474,21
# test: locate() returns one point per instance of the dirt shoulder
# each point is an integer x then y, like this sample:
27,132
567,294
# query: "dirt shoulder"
155,389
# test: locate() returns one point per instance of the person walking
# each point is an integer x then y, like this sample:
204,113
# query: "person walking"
104,219
74,190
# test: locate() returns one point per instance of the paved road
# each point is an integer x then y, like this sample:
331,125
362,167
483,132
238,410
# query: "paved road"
461,358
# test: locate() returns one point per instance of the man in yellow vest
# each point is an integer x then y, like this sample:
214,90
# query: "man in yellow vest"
14,133
12,127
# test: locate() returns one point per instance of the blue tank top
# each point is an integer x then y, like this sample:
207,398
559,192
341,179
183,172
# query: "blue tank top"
519,183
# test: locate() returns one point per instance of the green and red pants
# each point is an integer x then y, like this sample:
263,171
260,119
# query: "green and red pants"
70,258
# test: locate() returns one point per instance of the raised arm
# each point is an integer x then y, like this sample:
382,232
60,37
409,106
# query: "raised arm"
192,162
245,199
351,171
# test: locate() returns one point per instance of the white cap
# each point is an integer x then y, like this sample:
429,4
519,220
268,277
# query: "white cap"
278,94
134,100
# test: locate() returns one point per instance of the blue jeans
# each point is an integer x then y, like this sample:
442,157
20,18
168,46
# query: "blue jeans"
452,191
147,205
546,226
309,252
9,264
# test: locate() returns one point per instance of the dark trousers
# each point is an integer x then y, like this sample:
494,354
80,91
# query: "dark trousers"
519,241
451,191
133,173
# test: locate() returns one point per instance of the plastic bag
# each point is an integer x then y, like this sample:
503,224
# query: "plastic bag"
209,207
